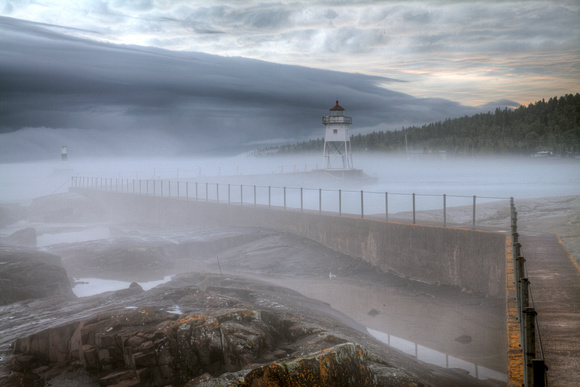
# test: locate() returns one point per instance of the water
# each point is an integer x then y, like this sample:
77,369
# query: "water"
519,177
90,286
487,178
421,325
431,356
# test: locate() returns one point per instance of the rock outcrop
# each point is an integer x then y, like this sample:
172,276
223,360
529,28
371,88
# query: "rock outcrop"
29,274
23,238
234,333
11,213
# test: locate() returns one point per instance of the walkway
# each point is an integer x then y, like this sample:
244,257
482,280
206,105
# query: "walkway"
555,282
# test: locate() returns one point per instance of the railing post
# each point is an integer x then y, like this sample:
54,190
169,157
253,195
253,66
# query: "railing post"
517,250
154,190
229,194
207,192
524,300
515,238
520,261
196,192
339,202
169,188
512,212
413,208
269,197
362,206
178,189
187,190
320,200
539,372
444,210
473,224
301,200
255,196
217,192
241,194
529,344
284,198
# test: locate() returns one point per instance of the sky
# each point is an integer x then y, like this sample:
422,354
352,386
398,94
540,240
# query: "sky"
186,75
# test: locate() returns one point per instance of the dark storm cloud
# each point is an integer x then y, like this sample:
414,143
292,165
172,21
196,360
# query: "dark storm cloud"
439,48
200,101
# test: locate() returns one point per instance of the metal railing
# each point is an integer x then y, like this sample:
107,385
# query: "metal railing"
341,202
534,367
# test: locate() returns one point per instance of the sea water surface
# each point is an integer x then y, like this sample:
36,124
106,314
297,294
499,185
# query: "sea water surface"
488,178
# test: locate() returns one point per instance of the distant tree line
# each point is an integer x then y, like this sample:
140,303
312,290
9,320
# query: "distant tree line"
552,125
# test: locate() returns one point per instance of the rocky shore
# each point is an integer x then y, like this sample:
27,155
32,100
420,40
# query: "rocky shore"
220,321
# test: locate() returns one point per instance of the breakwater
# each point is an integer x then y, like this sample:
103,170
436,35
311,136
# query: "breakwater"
470,259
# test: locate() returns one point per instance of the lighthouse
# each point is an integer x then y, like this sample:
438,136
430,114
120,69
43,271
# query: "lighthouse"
337,153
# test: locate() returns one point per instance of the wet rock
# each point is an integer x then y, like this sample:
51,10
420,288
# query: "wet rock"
134,288
116,255
25,238
124,378
30,274
463,339
11,213
236,332
192,346
143,253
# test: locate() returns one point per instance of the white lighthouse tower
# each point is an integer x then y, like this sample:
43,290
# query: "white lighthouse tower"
337,153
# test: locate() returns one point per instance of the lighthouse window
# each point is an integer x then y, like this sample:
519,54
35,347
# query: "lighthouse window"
335,131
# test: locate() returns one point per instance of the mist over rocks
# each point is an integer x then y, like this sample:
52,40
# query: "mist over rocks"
30,274
68,207
201,327
25,237
11,213
146,254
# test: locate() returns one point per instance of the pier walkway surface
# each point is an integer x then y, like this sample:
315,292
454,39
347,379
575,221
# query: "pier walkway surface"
554,277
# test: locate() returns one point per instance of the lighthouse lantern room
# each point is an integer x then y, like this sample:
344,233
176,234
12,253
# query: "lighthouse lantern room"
337,152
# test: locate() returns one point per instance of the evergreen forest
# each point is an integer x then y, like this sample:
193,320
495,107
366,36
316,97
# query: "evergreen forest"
551,127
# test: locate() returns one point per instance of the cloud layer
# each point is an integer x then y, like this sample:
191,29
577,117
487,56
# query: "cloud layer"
468,51
130,98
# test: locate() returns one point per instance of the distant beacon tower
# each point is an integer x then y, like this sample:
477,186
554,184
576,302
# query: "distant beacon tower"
63,154
337,140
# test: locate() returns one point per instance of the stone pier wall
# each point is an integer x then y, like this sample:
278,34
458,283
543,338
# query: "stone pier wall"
470,259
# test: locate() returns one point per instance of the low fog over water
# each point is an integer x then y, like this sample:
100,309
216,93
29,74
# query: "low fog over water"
494,177
398,317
